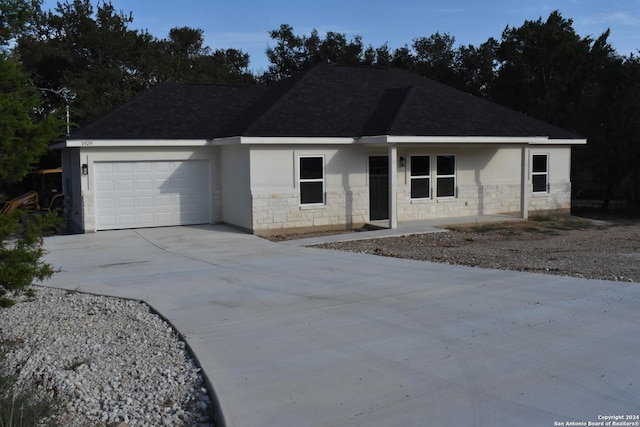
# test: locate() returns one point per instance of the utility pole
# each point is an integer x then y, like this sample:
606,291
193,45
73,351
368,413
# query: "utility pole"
64,93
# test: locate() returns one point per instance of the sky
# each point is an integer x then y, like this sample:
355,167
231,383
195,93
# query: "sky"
245,24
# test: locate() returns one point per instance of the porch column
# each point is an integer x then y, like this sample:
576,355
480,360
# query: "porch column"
524,183
393,173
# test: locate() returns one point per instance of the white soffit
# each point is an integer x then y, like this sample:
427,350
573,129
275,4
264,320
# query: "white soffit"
380,139
538,140
73,143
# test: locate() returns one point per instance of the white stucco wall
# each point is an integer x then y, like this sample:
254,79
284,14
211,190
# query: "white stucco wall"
559,195
255,186
488,181
275,190
235,189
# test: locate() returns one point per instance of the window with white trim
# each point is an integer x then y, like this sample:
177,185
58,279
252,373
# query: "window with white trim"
311,180
420,177
540,173
446,176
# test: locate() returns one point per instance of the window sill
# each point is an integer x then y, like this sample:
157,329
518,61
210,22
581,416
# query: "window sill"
313,206
421,201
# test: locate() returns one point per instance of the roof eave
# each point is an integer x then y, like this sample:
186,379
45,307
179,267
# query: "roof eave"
83,143
519,140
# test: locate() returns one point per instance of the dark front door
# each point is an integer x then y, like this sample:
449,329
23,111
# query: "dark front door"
378,187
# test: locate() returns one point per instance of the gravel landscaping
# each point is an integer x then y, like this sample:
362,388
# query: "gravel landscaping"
106,361
568,246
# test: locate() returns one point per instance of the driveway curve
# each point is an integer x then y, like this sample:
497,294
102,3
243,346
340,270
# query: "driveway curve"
294,336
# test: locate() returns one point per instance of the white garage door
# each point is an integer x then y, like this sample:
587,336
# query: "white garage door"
152,194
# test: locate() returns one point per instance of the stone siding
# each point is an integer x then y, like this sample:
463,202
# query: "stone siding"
557,199
470,200
282,211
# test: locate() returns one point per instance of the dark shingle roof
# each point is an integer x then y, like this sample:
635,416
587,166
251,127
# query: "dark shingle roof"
326,100
173,111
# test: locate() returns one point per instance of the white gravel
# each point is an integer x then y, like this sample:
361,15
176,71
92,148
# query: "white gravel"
111,362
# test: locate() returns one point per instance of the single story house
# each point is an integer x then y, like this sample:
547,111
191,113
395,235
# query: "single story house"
333,147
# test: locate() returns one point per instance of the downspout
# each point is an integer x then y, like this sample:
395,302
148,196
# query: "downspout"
524,183
393,172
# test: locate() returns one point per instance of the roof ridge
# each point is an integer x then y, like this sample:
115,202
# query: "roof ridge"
386,111
273,96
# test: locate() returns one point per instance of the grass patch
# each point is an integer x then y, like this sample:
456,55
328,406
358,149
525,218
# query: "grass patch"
541,217
22,404
538,223
573,223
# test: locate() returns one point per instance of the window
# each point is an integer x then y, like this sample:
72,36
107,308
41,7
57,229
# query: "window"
540,173
420,177
311,180
446,176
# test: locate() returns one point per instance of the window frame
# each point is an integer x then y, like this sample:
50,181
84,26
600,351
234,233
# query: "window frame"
446,176
420,177
302,181
545,173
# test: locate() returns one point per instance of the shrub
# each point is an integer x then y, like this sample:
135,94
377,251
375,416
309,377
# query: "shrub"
21,252
20,403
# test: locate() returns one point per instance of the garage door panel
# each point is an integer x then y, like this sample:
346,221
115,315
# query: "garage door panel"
125,202
144,184
125,185
123,167
149,194
144,202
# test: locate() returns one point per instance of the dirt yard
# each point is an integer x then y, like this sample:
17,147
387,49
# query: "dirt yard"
570,246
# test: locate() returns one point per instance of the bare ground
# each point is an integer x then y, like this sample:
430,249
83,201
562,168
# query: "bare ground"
569,246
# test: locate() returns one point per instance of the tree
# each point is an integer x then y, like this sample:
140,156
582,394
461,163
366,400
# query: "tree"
611,120
91,53
541,66
290,54
546,70
435,57
95,58
294,53
380,56
25,131
403,58
185,58
24,134
476,68
14,16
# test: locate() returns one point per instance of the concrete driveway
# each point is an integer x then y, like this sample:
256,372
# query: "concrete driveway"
292,336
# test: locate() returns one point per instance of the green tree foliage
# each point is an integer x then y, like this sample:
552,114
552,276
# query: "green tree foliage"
90,58
542,66
293,53
25,130
475,68
546,70
611,120
184,57
92,54
14,16
435,57
467,68
21,253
